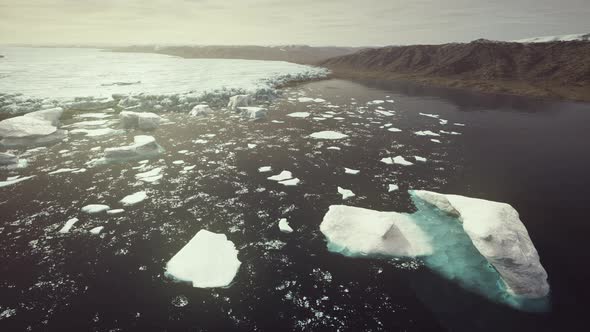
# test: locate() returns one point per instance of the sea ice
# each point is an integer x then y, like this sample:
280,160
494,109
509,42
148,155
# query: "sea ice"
284,226
264,169
134,198
150,176
334,148
396,160
426,133
353,231
284,175
68,225
290,182
143,146
96,230
498,234
346,193
418,158
95,208
328,135
201,110
435,116
115,211
239,101
14,180
141,120
207,260
392,187
394,130
253,113
96,132
385,113
351,171
299,114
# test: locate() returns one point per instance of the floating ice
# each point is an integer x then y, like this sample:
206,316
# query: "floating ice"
63,170
201,110
96,230
351,171
90,124
333,148
207,260
35,128
150,176
253,113
115,211
143,146
396,160
392,187
95,208
264,169
290,182
394,130
239,101
435,116
435,140
353,231
134,198
284,175
376,102
299,114
426,133
346,193
328,135
418,158
284,226
94,115
96,132
11,181
178,162
10,161
498,234
141,120
68,225
386,113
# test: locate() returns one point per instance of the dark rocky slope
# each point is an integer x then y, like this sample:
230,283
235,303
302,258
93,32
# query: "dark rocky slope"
554,69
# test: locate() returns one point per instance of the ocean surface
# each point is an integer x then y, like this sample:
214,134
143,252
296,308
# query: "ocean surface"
532,154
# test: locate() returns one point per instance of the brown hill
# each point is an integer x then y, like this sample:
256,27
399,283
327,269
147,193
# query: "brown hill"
555,69
292,53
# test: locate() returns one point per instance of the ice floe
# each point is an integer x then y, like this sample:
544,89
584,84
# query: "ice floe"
140,120
239,101
14,180
253,113
426,133
299,114
346,193
143,147
96,230
284,175
392,187
201,110
207,260
99,132
351,171
284,226
151,175
328,134
396,160
68,225
418,158
357,232
394,130
134,198
95,208
264,169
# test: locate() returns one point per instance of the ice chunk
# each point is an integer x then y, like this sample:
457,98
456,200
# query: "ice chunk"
299,114
207,260
418,158
334,148
24,127
94,115
144,146
11,181
290,182
396,160
141,120
284,175
96,230
346,193
96,132
351,171
386,113
150,176
63,170
68,225
498,234
392,187
253,113
328,134
353,231
284,226
201,110
52,115
239,101
435,140
10,161
394,130
115,211
435,116
426,133
90,124
95,208
134,198
264,169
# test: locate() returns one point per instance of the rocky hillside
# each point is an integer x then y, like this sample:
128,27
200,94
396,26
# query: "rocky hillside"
292,53
554,69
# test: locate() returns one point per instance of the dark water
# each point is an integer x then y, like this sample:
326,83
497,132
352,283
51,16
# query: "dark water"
529,153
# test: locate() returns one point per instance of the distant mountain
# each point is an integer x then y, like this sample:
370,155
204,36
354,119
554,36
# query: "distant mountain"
556,69
292,53
547,39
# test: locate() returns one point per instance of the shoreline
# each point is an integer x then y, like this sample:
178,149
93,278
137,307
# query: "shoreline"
553,91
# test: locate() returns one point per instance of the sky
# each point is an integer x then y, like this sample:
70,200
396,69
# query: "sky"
279,22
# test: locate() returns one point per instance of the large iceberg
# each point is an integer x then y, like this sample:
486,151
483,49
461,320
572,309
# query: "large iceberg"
498,234
35,128
354,231
207,260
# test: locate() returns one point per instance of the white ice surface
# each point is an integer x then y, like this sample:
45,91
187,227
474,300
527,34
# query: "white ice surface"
284,175
207,260
284,226
328,134
95,208
134,198
68,225
346,193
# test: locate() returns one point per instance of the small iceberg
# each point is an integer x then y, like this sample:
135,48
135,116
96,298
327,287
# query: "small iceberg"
346,193
299,114
284,175
95,208
143,147
207,260
284,226
68,225
134,198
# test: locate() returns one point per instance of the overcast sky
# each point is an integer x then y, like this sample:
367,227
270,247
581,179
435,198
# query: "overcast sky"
264,22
